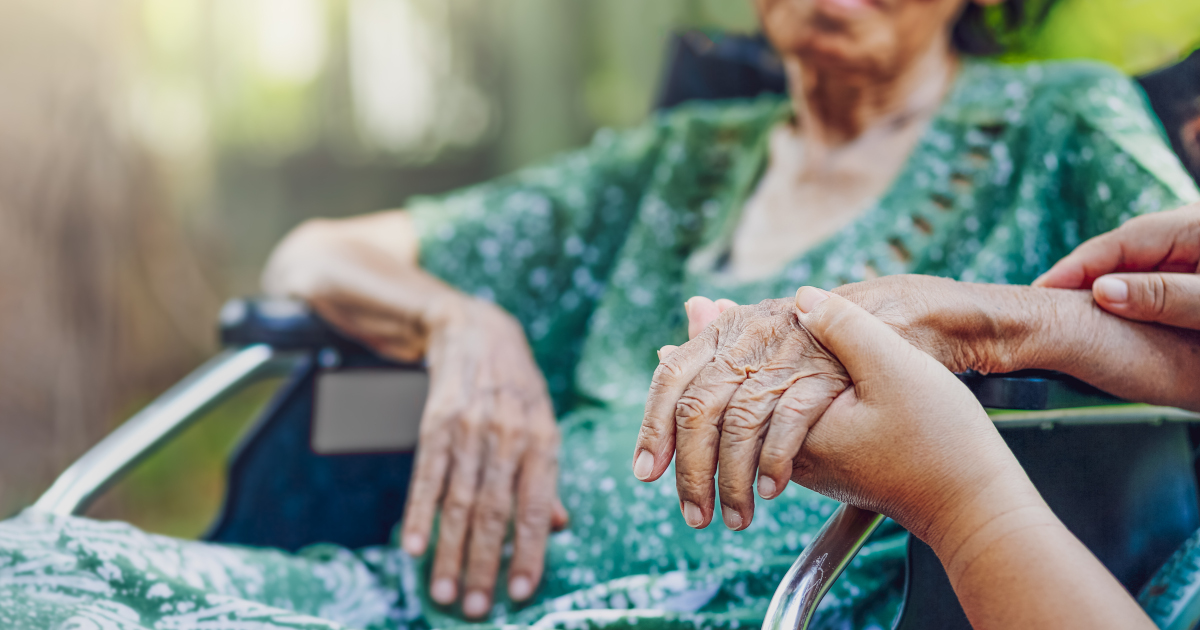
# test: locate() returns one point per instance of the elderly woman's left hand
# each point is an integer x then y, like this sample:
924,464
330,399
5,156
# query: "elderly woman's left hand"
752,381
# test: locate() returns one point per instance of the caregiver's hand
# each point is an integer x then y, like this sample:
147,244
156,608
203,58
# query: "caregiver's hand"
908,440
488,437
1145,270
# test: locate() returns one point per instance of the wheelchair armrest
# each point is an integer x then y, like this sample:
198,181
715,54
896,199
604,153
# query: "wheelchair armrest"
154,426
818,566
283,324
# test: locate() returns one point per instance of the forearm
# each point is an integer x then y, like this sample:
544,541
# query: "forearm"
362,275
1028,571
1004,328
1054,329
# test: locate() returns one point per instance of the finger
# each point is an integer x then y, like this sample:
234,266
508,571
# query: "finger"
537,492
457,508
701,312
797,411
872,353
724,305
503,447
742,431
560,518
1167,298
666,351
698,435
1164,241
442,409
656,439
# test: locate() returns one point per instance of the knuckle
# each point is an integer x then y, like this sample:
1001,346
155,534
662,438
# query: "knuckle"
670,371
650,433
693,481
1155,294
775,453
742,423
457,505
536,515
791,408
690,412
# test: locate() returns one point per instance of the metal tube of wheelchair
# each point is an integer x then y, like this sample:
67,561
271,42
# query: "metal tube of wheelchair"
153,426
818,566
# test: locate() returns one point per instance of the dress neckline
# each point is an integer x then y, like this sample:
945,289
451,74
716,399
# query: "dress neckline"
705,263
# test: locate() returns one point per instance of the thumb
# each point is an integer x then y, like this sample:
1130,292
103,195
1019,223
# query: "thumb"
1167,298
865,346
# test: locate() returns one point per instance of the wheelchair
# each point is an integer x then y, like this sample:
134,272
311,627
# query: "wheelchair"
1122,477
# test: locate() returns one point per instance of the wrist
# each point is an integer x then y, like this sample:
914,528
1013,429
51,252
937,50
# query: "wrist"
964,326
1006,507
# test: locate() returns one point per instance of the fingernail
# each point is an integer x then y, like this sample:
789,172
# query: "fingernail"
809,297
1111,290
692,514
733,518
443,591
660,355
766,487
687,309
414,544
644,465
475,604
520,588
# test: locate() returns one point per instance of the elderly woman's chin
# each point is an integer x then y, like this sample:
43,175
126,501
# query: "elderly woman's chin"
873,36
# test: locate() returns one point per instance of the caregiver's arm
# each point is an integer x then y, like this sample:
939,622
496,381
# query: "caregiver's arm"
907,439
488,436
1000,328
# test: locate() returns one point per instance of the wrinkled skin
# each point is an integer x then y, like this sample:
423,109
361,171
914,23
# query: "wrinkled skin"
488,437
756,373
752,381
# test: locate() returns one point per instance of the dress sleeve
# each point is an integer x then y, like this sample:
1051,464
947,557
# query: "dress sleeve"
1121,165
541,242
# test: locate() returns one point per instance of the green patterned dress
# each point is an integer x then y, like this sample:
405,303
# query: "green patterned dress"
594,252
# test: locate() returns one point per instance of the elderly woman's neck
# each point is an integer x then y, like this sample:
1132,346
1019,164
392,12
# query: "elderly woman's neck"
834,107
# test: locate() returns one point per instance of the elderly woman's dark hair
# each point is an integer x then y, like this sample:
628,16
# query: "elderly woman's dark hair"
990,30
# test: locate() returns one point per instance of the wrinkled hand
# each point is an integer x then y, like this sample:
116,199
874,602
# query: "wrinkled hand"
1145,270
745,390
488,437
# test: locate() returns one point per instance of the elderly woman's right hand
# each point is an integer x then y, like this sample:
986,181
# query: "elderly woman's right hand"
488,430
747,388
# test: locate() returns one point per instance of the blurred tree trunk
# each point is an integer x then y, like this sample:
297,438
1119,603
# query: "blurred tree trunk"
101,303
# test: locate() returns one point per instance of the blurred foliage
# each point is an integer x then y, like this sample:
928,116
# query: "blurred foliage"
1134,35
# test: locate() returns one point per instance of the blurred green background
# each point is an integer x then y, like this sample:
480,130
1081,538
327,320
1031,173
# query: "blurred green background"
250,116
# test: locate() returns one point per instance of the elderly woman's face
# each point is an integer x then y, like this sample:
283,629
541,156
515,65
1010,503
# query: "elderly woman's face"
872,36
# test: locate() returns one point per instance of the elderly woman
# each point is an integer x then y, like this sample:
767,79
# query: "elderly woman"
540,295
